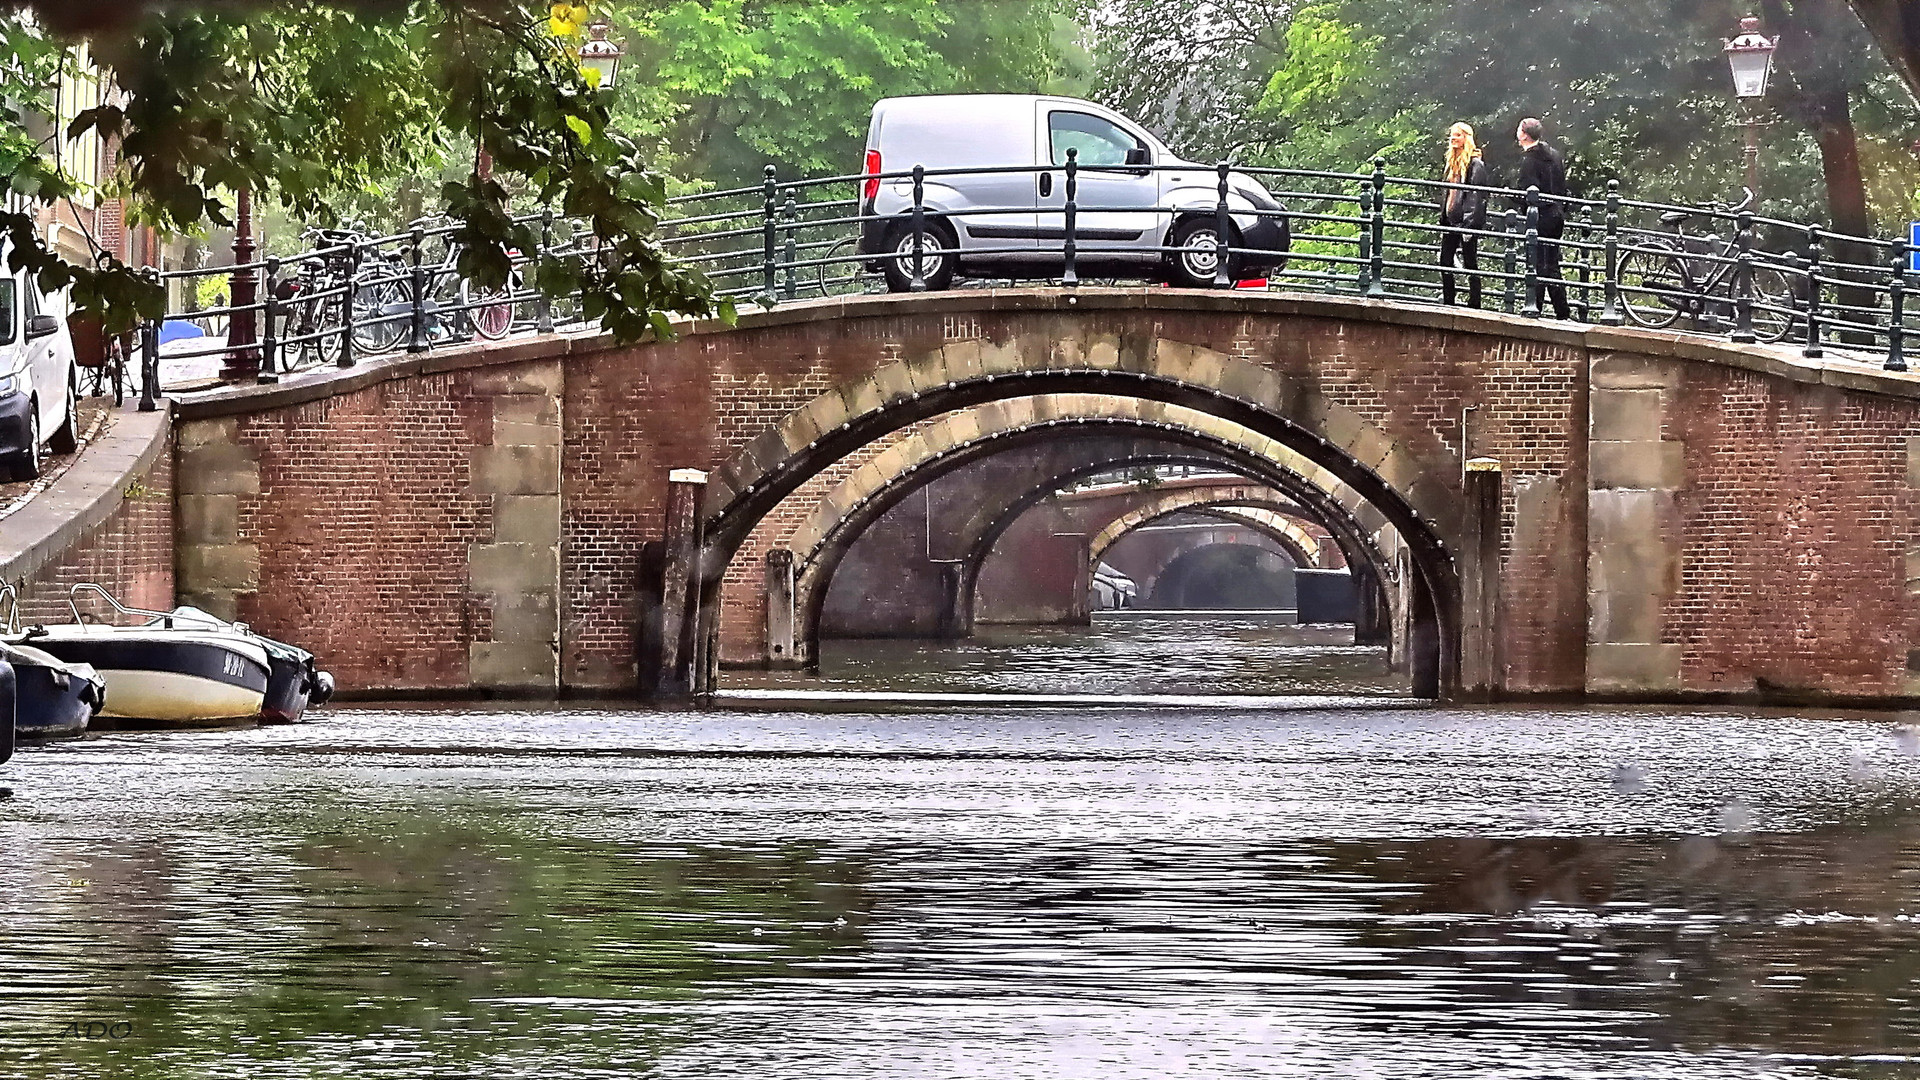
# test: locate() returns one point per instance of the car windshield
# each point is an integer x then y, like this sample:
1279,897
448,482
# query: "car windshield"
9,315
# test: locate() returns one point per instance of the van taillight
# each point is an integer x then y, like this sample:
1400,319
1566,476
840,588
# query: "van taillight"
873,173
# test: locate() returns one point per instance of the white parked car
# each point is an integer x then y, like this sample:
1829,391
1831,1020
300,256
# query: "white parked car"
37,379
1142,210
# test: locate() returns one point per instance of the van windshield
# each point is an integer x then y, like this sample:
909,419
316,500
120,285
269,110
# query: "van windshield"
1100,141
9,313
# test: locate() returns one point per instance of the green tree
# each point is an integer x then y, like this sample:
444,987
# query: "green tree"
309,99
725,87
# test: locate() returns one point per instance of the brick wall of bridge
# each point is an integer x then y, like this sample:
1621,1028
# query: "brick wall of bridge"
445,523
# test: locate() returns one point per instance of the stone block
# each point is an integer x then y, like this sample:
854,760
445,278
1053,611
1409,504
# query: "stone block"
194,434
209,519
543,378
893,382
526,617
516,665
1626,415
218,468
1913,572
510,570
517,470
1628,371
961,360
1624,668
216,567
526,519
1913,461
526,420
862,397
1656,465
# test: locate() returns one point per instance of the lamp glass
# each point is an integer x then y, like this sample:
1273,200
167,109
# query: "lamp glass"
1750,70
608,65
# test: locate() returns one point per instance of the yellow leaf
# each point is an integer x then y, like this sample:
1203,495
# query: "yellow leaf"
592,75
580,128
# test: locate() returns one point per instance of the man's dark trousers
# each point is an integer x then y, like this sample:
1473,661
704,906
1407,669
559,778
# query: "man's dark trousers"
1551,229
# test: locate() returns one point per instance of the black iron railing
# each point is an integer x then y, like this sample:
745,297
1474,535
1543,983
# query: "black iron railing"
1721,271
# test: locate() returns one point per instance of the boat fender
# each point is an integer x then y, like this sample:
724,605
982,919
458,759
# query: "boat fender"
322,688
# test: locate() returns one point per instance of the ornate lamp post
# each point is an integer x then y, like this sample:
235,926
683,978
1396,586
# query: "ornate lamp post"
599,54
243,360
1750,55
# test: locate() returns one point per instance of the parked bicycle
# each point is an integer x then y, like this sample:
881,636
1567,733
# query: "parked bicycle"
1663,278
453,308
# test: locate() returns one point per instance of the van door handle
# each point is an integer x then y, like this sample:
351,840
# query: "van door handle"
1046,184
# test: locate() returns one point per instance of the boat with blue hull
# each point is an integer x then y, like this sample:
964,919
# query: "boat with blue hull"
54,699
183,666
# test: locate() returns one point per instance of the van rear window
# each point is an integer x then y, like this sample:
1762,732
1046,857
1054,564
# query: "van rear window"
9,311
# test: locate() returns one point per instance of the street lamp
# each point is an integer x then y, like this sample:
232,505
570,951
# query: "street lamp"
1750,55
600,54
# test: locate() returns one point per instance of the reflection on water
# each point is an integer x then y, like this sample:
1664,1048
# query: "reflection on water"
1093,892
1121,653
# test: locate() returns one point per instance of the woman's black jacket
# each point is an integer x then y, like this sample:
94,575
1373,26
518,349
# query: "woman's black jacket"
1471,210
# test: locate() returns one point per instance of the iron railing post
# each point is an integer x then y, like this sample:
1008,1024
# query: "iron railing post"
1070,276
150,359
1377,226
769,239
1814,350
1897,301
1363,236
790,213
1611,315
1531,309
1743,282
1222,232
270,339
347,302
1583,299
1510,255
918,282
417,338
543,303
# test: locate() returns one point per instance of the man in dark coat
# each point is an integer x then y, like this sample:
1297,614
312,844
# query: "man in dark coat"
1541,166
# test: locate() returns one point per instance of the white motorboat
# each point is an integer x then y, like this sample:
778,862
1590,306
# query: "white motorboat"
178,668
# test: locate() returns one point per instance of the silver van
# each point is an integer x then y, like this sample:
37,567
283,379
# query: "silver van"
1135,200
37,378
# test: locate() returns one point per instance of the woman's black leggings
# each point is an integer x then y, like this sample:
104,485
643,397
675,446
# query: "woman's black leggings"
1468,248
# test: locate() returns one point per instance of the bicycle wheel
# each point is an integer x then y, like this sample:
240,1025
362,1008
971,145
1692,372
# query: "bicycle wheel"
1653,287
380,318
492,312
1774,304
833,277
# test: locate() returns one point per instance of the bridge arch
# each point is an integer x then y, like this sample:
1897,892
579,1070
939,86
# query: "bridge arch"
860,500
1279,418
1303,544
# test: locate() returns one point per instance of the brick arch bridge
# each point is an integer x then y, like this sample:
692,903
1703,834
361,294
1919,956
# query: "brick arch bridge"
1274,513
1050,440
1672,516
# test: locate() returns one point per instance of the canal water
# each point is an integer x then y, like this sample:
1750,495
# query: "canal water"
949,888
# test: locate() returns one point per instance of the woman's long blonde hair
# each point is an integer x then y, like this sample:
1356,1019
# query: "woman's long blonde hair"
1458,158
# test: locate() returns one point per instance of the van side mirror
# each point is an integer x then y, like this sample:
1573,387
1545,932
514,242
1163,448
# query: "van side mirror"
39,326
1138,156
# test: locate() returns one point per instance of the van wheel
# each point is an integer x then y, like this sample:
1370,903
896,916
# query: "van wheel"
66,437
26,464
938,256
1196,254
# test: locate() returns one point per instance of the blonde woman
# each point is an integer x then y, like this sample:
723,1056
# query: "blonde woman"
1460,210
